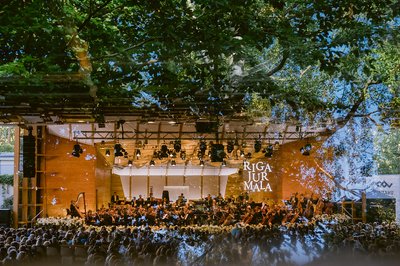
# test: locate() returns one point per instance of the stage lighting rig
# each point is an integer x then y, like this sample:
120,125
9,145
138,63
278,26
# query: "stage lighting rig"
77,150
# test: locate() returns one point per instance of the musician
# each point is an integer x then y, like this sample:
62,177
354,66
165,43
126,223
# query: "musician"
219,198
74,210
150,199
114,198
181,200
209,201
140,201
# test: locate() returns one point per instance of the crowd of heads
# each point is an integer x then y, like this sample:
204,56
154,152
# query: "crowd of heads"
299,231
312,242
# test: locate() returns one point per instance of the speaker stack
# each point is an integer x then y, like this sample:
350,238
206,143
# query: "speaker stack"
165,195
5,217
29,143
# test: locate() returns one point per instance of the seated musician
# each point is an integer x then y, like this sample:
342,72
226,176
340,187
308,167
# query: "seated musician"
74,210
219,198
181,200
150,199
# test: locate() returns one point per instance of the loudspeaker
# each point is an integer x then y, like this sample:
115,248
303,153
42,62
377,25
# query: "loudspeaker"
165,195
206,126
29,143
217,153
5,217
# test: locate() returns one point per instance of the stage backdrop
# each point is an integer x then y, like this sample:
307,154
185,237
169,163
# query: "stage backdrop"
192,180
67,176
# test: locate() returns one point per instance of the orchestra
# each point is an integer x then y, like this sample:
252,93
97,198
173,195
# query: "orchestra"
211,210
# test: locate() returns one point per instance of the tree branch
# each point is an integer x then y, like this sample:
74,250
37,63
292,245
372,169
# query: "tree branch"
281,64
366,115
126,49
337,184
91,15
353,111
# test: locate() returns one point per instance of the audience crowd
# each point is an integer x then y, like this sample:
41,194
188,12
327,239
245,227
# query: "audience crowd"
301,239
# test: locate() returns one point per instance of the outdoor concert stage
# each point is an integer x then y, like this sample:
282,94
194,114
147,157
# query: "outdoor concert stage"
273,178
60,176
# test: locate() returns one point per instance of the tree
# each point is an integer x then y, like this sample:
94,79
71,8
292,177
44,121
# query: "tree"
306,62
388,153
7,139
208,55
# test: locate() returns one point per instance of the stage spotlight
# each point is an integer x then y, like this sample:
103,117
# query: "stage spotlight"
129,163
138,153
230,147
236,142
125,153
248,155
164,151
108,153
152,163
269,151
201,163
203,147
177,145
120,123
77,151
118,150
183,155
173,163
223,163
306,149
100,120
217,153
241,153
257,145
276,145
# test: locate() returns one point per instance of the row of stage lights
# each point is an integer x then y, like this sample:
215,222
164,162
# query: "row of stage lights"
217,151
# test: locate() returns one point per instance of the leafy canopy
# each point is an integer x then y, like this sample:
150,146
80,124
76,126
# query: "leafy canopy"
305,58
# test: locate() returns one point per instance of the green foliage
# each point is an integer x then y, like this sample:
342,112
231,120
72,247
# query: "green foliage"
292,53
6,180
259,107
379,210
6,147
8,203
388,153
7,139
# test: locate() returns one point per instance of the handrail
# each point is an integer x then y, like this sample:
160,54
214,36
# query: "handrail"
36,216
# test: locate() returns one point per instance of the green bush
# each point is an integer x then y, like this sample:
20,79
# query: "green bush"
381,210
6,147
8,203
7,180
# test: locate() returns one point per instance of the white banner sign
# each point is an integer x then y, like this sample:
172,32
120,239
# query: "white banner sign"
389,185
